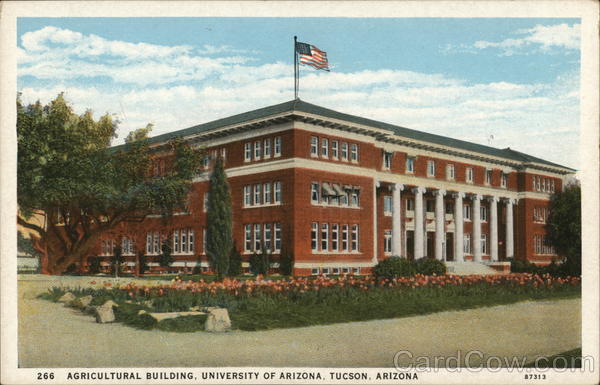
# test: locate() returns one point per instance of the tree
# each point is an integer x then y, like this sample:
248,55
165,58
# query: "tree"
563,226
219,240
235,263
25,245
67,170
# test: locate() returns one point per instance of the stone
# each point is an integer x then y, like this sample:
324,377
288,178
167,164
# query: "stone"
142,312
67,297
82,302
110,303
218,321
163,316
105,314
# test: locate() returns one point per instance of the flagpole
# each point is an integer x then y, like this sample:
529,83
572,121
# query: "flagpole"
295,70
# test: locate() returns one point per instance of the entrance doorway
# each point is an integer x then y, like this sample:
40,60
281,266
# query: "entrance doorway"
410,245
449,247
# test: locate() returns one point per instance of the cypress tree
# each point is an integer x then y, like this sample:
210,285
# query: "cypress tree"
219,240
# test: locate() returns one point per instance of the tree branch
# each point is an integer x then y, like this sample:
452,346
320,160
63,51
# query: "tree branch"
21,221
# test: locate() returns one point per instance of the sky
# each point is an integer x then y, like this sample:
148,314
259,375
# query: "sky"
504,82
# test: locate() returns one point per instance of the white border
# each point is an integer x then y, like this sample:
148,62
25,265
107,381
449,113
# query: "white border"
586,10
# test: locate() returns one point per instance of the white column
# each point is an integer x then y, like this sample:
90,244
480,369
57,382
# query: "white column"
440,234
494,229
418,238
396,220
375,238
510,248
458,227
476,213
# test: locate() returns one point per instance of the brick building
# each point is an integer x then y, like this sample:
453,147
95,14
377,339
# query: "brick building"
340,192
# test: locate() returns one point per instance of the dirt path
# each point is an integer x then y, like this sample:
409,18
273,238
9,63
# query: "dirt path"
53,336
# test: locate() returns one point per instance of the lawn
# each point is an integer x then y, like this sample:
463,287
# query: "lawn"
268,304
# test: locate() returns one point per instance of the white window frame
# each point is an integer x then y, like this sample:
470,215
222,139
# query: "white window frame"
315,189
488,176
149,243
483,243
431,168
314,236
267,148
504,180
183,239
410,204
450,172
248,237
204,241
483,213
354,152
266,194
156,243
277,193
334,149
277,233
248,196
410,165
277,147
314,146
467,243
324,148
257,194
257,237
344,151
176,241
354,198
268,236
387,205
387,160
387,241
345,238
355,241
324,236
469,175
467,212
335,237
257,150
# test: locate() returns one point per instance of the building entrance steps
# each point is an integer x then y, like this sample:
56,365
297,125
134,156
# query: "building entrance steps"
470,268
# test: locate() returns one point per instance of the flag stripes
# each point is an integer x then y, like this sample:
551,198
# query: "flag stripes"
312,56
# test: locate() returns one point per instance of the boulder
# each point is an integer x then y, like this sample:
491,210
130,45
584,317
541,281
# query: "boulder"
82,302
218,321
105,314
110,303
67,297
142,312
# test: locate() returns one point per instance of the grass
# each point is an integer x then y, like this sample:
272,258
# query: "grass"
328,305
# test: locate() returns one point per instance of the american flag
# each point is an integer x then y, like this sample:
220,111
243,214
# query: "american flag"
312,56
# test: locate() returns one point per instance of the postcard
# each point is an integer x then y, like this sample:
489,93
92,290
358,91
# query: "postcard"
299,192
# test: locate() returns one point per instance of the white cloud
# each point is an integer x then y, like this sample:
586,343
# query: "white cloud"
541,38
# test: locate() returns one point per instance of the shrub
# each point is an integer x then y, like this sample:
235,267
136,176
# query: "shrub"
94,265
235,263
430,266
165,257
286,264
183,324
395,267
128,314
259,263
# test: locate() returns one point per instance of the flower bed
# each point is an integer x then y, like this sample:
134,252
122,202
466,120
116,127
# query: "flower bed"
265,304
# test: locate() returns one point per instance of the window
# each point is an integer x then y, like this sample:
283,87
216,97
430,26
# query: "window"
430,168
247,196
314,271
314,241
483,213
257,150
467,243
450,172
334,236
387,205
410,165
268,236
533,181
483,242
356,270
267,193
184,241
257,237
335,270
488,176
387,241
504,180
538,183
277,192
267,148
354,152
205,205
354,199
344,199
156,243
430,205
206,161
354,237
277,146
344,151
224,154
469,175
467,212
334,149
257,194
314,193
543,184
324,148
324,236
248,237
127,246
277,228
203,241
191,239
387,160
314,143
176,241
449,207
149,249
325,270
345,237
552,185
410,205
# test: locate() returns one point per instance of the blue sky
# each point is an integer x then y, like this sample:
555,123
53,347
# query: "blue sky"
472,79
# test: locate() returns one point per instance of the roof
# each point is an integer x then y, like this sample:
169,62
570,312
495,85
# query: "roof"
298,105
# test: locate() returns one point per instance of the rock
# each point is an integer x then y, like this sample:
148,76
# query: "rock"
208,309
218,321
110,303
82,302
195,308
163,316
105,314
67,297
142,312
